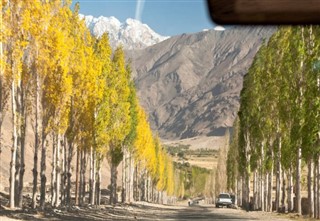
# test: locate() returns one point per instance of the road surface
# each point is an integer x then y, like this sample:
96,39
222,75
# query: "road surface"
143,211
207,212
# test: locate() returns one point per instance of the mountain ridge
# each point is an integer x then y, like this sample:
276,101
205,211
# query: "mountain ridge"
190,84
131,34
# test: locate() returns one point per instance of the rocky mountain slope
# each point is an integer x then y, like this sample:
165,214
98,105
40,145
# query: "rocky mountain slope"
131,34
190,84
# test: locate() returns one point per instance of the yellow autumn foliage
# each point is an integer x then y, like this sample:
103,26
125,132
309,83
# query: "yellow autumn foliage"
84,87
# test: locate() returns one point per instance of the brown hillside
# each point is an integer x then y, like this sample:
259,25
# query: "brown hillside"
190,84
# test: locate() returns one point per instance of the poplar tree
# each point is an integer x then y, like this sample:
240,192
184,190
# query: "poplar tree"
15,42
119,125
4,83
77,103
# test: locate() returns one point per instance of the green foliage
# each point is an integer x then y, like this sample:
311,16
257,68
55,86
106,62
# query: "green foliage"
279,110
174,150
129,140
233,158
184,150
116,156
193,179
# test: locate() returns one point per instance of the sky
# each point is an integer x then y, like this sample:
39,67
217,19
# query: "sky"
166,17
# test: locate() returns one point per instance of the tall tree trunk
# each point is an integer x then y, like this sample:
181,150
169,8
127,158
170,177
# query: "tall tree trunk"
146,187
315,188
131,178
290,191
23,139
246,183
255,190
136,183
143,186
58,171
36,144
318,187
259,188
150,189
310,186
19,116
14,146
43,170
2,98
69,141
77,178
54,171
113,184
283,197
248,189
299,151
69,163
244,193
17,171
64,164
262,179
278,187
20,164
298,182
262,196
82,187
266,189
164,198
92,176
278,178
127,177
158,197
270,186
1,143
98,183
124,177
83,177
239,188
152,192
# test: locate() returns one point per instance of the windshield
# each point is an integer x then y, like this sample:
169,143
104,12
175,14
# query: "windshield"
107,102
224,196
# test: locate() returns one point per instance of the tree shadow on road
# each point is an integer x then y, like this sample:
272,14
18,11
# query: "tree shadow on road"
199,212
138,211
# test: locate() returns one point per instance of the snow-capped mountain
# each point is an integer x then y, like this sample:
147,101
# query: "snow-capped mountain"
132,34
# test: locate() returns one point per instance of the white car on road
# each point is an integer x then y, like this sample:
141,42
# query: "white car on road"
224,199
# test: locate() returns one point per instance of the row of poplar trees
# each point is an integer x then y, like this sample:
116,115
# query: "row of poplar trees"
78,96
277,133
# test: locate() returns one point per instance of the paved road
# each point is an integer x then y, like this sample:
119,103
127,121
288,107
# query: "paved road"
143,211
208,213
